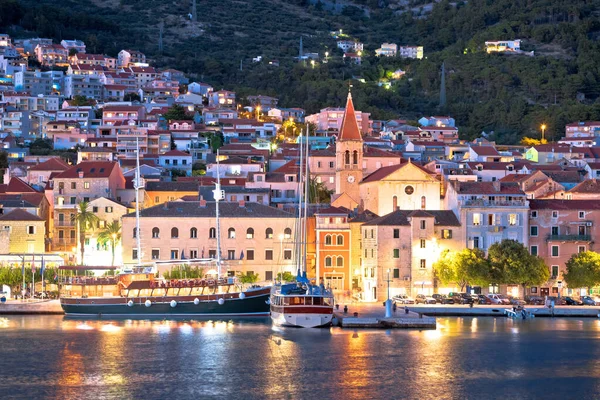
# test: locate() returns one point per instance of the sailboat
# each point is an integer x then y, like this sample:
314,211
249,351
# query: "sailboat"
302,304
137,291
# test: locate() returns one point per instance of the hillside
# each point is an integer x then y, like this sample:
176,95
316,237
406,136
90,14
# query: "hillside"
508,94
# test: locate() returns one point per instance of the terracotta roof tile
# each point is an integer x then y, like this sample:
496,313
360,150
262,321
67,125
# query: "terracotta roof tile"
90,169
349,129
20,215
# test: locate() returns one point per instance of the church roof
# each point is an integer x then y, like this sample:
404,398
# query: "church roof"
349,129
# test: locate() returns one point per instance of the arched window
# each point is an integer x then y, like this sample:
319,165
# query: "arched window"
231,233
155,233
249,233
355,157
287,233
269,233
423,202
340,262
328,240
328,261
212,233
394,203
174,233
134,233
340,240
347,157
193,233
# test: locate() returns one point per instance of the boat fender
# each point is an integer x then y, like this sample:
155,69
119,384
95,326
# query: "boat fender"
196,301
173,303
148,303
221,301
130,303
242,296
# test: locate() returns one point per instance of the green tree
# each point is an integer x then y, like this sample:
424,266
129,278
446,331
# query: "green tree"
318,192
248,278
79,100
466,267
111,234
583,270
85,220
511,263
3,164
132,97
176,113
286,277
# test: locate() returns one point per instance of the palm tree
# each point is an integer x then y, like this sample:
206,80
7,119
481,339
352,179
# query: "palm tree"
85,220
111,233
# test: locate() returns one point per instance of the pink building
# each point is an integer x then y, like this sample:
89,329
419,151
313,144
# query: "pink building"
112,114
330,120
582,128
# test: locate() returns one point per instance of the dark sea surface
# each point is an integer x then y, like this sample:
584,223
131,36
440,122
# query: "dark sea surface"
465,358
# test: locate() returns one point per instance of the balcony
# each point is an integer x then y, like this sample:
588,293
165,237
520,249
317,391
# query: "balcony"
569,238
495,203
64,224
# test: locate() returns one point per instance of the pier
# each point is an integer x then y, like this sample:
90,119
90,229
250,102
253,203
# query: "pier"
372,317
18,307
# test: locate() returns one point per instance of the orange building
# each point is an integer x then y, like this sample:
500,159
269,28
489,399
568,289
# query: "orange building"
333,249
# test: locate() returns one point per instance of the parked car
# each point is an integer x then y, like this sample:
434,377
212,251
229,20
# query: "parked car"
403,299
442,299
461,298
589,301
535,300
422,299
572,301
495,299
483,299
515,301
557,301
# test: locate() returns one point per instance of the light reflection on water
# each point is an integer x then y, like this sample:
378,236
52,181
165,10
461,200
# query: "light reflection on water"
54,357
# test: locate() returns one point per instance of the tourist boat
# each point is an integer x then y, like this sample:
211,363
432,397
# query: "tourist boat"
139,290
301,304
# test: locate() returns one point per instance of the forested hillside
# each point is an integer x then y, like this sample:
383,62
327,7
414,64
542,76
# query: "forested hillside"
508,94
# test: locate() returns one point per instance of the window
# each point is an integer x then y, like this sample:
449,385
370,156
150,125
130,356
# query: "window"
396,253
423,224
73,200
423,263
366,255
231,233
533,250
491,219
155,233
328,261
134,233
327,240
86,199
347,157
554,251
396,233
534,214
269,233
212,253
174,233
318,164
477,219
446,233
250,255
372,233
268,275
372,253
174,254
581,214
423,202
396,273
533,230
554,272
73,185
287,233
193,254
108,209
355,157
409,190
268,254
340,240
554,230
231,254
340,262
513,219
249,233
290,194
155,254
554,214
86,185
476,242
212,233
94,209
423,243
331,164
156,199
134,254
331,179
193,233
287,254
31,230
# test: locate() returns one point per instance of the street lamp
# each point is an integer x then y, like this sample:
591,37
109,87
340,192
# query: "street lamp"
543,130
258,113
388,302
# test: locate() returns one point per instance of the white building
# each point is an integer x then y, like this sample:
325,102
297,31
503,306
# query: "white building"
387,50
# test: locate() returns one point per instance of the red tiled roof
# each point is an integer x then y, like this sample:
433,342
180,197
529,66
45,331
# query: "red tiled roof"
90,169
487,188
16,185
385,171
349,129
574,205
587,186
20,215
333,211
485,150
122,108
583,123
52,164
176,153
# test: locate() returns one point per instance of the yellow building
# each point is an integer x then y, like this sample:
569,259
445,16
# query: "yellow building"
22,232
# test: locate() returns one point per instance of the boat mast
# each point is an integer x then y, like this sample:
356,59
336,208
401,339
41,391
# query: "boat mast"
218,195
306,183
137,184
299,224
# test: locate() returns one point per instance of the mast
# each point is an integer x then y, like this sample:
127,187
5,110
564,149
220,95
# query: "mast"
306,182
299,225
218,195
137,185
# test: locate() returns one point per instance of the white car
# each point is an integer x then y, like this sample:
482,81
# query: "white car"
403,299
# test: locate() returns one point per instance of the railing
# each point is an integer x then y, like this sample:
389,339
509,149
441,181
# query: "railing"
487,203
569,238
65,223
496,228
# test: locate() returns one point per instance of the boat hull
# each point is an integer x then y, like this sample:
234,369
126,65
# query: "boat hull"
255,304
301,320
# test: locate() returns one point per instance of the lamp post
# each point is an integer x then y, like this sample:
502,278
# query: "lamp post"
388,302
543,127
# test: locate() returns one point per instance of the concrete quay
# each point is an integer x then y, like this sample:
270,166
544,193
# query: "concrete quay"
453,310
18,307
369,317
